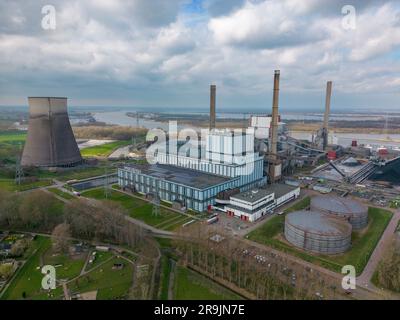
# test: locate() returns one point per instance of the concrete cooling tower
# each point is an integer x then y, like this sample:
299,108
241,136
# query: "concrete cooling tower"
50,141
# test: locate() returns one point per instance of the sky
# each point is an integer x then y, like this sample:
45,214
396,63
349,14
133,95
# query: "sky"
166,53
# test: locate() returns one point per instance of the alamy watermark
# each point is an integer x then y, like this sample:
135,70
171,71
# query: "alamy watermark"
349,280
349,20
49,280
49,20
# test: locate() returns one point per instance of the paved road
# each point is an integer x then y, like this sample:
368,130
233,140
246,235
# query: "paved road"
365,290
123,151
365,278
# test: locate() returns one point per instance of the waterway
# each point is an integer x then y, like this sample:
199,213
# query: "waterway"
344,139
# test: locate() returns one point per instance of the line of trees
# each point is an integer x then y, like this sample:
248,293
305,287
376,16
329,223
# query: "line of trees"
108,132
34,211
38,211
107,222
388,271
261,274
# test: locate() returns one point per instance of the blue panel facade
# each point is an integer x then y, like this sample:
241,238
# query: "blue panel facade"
193,198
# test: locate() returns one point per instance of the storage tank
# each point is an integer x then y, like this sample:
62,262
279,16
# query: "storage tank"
317,232
344,208
50,141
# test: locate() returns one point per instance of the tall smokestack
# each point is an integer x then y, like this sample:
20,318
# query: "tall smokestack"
213,89
327,113
275,115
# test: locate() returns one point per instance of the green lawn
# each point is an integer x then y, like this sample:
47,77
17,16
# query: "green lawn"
29,277
66,267
10,185
111,284
165,275
101,257
84,173
104,150
142,210
12,136
61,193
190,285
363,242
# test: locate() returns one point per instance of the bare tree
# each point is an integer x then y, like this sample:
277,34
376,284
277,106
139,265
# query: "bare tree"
60,238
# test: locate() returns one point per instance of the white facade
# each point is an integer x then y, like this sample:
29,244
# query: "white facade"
249,210
262,126
226,154
229,147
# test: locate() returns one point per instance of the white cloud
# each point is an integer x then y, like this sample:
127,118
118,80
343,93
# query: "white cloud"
126,43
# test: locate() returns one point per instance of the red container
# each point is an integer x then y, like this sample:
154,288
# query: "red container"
332,155
354,143
383,151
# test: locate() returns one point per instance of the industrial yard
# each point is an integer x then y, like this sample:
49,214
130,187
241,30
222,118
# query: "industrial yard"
288,204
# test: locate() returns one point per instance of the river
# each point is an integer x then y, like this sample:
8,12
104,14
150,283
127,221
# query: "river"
344,139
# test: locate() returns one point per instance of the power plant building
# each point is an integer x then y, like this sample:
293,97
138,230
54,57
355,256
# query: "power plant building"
343,208
317,232
228,162
254,204
50,141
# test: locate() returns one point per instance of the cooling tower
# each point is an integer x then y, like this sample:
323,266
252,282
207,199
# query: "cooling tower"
50,141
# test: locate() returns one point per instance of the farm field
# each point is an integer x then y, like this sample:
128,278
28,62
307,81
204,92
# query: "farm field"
363,242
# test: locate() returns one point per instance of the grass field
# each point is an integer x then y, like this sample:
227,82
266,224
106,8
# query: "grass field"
363,242
111,284
104,150
190,285
29,278
165,276
61,193
10,185
142,210
101,257
12,136
66,267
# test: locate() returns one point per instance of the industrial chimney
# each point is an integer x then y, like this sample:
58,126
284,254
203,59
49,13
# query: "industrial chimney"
325,127
275,165
213,89
50,141
275,116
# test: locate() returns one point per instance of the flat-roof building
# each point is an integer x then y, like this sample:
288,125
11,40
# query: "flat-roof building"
195,189
195,180
252,205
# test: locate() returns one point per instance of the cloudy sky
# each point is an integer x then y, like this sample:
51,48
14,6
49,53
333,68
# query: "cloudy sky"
165,53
